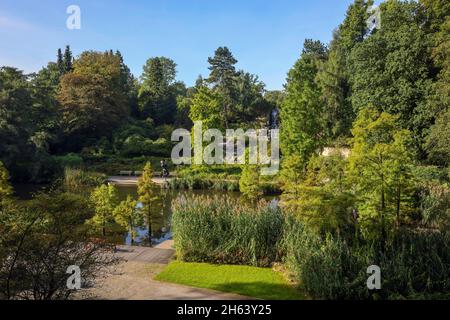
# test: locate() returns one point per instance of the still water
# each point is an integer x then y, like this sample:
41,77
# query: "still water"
162,212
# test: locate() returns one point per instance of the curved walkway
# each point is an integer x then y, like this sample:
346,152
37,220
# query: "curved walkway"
133,279
132,181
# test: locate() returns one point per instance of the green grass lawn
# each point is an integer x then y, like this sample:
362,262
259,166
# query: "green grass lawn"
263,283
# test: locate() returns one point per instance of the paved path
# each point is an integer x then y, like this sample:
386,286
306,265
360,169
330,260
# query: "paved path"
132,181
134,281
144,254
133,278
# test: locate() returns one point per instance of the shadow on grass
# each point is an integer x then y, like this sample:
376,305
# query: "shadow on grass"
262,290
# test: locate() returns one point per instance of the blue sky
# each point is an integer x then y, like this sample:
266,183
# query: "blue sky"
265,36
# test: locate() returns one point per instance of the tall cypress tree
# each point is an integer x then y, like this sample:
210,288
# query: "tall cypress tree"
302,112
68,59
60,63
334,73
223,76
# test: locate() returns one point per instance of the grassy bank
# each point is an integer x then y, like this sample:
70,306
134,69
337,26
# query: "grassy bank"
415,263
261,283
218,177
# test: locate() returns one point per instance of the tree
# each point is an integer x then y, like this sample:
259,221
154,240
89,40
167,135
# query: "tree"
92,100
333,77
128,216
5,188
15,122
302,112
322,199
147,197
380,169
222,77
250,102
206,106
292,174
391,70
333,81
68,58
45,108
104,200
354,28
130,86
64,61
157,95
438,141
249,183
40,240
437,14
60,63
159,73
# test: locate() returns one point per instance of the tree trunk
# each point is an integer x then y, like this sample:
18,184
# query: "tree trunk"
383,227
131,231
149,222
398,205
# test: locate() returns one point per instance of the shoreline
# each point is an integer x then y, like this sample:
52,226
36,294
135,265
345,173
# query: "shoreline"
132,181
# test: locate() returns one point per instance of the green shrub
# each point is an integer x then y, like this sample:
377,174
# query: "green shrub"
70,160
76,180
219,230
325,268
429,173
413,264
137,145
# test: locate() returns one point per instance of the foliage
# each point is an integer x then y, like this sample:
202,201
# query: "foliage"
40,240
70,160
434,204
92,100
380,170
128,216
323,200
302,112
158,92
391,70
5,188
147,196
137,145
15,109
206,107
415,264
77,180
249,184
104,200
438,141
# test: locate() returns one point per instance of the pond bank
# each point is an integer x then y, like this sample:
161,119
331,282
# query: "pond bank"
132,181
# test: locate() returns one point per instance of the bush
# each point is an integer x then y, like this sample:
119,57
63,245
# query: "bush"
218,230
70,160
137,145
429,173
414,264
325,268
76,180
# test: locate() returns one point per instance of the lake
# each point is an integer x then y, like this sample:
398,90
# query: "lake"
162,212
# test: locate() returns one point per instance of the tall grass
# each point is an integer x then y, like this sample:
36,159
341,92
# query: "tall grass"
77,180
413,264
202,183
219,230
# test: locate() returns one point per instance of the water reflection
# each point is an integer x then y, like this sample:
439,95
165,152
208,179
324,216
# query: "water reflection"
162,212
